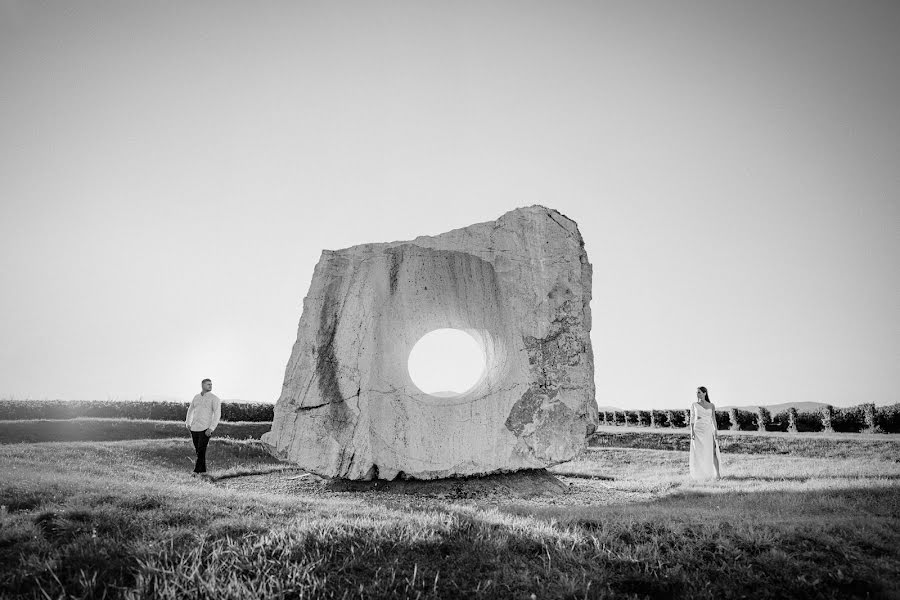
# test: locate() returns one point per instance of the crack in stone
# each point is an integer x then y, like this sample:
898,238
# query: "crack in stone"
566,229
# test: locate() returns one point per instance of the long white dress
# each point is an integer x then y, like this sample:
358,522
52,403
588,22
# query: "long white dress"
705,446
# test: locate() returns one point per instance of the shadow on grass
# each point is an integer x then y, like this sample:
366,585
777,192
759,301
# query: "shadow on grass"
576,475
240,472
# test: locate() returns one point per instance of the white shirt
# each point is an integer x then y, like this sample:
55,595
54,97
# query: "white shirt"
204,412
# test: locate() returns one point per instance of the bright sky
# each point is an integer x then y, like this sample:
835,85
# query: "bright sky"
170,172
446,362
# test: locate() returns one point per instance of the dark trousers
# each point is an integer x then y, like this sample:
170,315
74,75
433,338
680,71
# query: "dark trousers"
201,441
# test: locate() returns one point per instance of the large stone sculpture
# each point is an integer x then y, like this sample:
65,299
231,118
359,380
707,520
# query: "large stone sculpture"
521,285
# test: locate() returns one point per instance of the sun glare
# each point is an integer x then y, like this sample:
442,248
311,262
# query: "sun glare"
446,362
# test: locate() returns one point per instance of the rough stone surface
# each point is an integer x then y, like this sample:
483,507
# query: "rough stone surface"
521,285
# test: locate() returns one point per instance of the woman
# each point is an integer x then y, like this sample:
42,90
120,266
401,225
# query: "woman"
704,438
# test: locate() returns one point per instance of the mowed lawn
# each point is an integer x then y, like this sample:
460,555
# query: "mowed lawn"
125,519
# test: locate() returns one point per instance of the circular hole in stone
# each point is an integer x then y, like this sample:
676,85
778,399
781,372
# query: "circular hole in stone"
446,362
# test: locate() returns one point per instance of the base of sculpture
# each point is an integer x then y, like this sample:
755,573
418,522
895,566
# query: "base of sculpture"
520,484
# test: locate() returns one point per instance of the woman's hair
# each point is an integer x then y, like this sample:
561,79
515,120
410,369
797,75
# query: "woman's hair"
705,393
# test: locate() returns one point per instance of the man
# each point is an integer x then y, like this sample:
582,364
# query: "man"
202,418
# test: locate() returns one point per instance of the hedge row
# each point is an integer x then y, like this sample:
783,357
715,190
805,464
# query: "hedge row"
16,410
863,418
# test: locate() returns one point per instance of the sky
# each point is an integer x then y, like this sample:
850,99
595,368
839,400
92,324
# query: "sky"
170,172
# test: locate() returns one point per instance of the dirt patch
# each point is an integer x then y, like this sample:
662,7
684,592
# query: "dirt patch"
535,488
523,484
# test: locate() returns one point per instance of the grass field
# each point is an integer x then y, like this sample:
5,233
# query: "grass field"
110,430
125,519
864,446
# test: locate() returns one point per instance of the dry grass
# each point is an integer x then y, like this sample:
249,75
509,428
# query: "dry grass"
124,519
